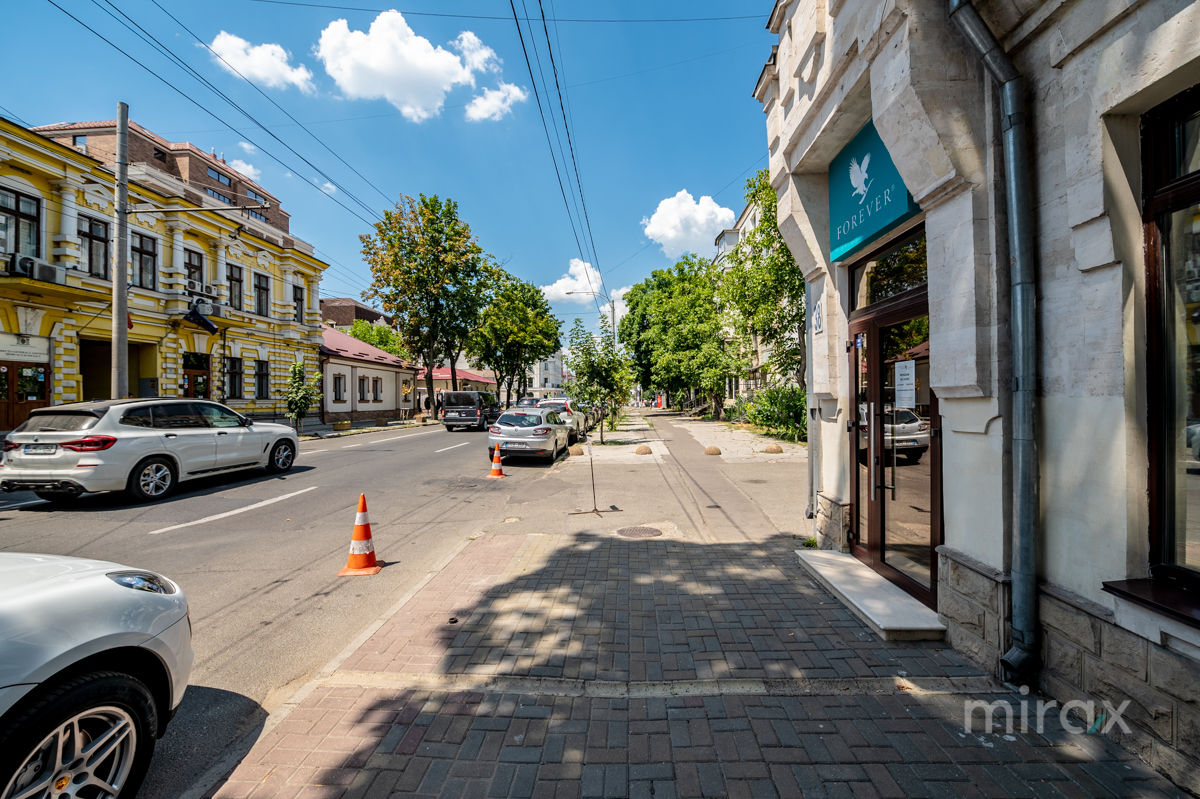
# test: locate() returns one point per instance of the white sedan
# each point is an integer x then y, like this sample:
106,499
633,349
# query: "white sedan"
144,447
94,660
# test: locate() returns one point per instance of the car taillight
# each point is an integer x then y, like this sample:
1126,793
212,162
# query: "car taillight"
922,427
494,429
541,431
9,445
89,444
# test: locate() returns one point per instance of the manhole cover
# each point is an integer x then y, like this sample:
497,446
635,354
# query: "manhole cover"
639,532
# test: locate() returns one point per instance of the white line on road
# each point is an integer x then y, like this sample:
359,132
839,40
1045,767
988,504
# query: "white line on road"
456,446
311,452
22,504
232,512
393,438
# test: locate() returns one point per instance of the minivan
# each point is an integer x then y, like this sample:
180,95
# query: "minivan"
472,409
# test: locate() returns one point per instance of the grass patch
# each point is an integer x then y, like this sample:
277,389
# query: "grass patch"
809,543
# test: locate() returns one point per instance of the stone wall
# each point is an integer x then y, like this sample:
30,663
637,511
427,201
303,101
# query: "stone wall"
832,524
1086,656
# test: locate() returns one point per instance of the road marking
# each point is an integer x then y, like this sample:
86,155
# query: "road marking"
393,438
456,446
22,504
313,452
264,503
359,444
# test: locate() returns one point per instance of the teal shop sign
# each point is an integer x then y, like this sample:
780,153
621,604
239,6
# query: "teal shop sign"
867,198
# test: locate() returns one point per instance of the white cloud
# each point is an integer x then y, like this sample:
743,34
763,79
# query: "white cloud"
475,54
494,104
326,186
622,308
247,147
249,170
680,224
267,64
391,62
581,279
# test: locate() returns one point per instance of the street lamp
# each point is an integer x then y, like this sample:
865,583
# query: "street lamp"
612,309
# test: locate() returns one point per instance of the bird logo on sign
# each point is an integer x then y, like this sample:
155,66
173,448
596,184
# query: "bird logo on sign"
858,178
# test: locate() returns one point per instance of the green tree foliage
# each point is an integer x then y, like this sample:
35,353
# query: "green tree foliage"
603,376
763,288
513,331
380,336
302,394
675,332
426,271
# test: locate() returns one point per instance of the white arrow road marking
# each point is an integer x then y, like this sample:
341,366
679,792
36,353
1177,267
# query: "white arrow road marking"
264,503
456,446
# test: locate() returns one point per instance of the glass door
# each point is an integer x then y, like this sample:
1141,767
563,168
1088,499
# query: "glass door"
896,443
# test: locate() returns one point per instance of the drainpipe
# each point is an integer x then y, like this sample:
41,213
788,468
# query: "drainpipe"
1021,663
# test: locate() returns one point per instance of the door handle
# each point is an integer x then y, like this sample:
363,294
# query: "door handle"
223,433
171,435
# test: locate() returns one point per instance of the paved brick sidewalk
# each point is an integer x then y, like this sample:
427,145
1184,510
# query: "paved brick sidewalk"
593,665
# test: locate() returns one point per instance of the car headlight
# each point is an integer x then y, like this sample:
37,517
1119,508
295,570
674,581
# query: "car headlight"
142,581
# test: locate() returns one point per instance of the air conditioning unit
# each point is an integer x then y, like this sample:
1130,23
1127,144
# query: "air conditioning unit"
35,269
204,289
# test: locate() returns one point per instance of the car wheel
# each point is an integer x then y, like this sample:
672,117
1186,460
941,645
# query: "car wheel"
153,478
96,729
56,496
283,455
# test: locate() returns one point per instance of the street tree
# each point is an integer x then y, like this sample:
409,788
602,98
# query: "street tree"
424,264
676,332
513,331
302,394
603,376
762,287
380,336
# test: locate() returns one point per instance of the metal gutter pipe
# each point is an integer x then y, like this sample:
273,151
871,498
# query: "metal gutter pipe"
1021,663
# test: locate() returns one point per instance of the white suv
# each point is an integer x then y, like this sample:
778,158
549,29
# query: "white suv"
144,447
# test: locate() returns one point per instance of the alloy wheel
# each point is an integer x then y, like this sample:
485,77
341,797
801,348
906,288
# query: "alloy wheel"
88,756
284,455
155,479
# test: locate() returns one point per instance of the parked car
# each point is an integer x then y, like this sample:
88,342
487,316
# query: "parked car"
145,447
528,402
474,410
94,660
529,431
903,431
571,416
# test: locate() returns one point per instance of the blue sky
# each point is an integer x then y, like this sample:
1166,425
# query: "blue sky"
417,101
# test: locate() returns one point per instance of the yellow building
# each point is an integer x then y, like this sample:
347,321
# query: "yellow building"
240,268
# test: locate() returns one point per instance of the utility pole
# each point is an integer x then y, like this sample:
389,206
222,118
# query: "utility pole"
120,263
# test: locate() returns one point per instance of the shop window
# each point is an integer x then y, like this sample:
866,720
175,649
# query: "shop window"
889,274
1171,216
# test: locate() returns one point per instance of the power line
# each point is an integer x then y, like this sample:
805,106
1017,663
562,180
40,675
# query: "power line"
273,102
623,20
161,48
190,99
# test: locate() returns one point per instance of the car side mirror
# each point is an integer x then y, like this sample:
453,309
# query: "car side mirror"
247,421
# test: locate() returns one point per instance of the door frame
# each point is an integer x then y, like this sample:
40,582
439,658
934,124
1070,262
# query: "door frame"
895,310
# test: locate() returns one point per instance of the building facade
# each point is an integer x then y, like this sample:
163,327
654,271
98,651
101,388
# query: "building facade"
364,382
546,377
251,280
896,153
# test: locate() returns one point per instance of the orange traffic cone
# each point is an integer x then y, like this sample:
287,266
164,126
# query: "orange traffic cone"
497,472
362,549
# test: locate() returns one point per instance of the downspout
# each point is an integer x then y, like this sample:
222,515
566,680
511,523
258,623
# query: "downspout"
1021,663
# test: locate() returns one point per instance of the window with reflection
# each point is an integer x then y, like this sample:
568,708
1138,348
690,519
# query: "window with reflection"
890,274
1171,151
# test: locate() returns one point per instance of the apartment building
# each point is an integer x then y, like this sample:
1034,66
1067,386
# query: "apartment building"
190,251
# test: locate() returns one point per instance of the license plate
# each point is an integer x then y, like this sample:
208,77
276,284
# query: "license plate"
520,444
908,443
40,449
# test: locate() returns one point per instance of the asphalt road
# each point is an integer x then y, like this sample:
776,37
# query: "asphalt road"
257,556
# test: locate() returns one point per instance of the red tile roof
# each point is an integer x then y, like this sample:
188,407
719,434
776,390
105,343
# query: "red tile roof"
443,373
347,346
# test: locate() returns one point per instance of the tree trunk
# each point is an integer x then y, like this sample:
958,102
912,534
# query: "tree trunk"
453,374
429,364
